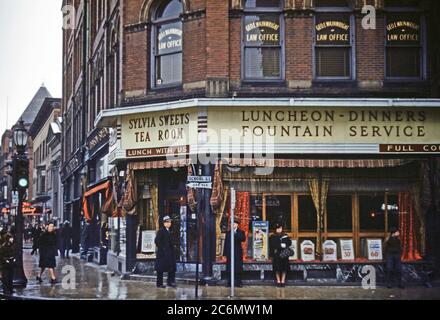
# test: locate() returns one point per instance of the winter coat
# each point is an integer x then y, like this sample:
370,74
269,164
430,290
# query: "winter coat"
48,249
239,238
165,256
279,264
7,251
393,246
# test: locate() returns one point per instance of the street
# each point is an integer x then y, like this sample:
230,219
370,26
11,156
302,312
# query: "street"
95,283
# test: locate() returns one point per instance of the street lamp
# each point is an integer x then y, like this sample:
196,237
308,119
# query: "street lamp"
22,183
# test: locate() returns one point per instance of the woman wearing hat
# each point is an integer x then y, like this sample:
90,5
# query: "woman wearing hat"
239,238
280,265
165,258
393,252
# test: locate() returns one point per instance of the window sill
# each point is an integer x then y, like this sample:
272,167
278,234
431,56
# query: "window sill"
178,86
412,82
263,83
334,83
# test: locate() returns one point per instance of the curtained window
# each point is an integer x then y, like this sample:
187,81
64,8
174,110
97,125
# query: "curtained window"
339,213
167,44
263,41
372,212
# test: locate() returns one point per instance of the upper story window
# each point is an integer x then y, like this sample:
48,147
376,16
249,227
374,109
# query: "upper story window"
263,40
167,43
333,41
404,40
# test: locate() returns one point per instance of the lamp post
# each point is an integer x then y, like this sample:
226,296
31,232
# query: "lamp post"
21,185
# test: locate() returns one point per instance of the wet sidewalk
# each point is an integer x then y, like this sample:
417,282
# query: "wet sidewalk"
96,283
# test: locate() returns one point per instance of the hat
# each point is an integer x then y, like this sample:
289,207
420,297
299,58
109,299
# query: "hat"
393,230
278,225
166,218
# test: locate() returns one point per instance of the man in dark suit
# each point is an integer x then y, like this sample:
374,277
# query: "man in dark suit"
165,257
239,238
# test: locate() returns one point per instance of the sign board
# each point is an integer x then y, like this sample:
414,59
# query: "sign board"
199,179
347,249
260,235
233,198
14,198
307,250
294,247
163,133
148,245
371,129
199,185
329,249
374,249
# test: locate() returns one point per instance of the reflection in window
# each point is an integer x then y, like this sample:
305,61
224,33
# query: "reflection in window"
278,210
372,213
262,46
307,220
339,213
168,43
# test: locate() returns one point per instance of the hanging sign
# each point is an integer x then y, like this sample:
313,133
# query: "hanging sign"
329,249
347,249
374,249
260,232
307,250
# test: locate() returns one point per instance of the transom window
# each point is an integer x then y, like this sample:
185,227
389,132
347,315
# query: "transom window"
167,44
263,41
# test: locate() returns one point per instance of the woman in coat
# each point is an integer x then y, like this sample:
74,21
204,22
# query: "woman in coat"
239,238
165,257
48,248
278,242
7,262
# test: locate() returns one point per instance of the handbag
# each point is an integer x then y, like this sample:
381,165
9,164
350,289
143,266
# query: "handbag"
286,253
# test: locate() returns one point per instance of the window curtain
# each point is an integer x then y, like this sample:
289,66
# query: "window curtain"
129,200
218,220
319,191
408,227
242,213
154,191
192,201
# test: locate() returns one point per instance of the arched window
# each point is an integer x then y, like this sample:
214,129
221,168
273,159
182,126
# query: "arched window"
167,43
263,40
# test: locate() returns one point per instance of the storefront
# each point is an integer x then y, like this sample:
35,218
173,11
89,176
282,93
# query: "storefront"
337,173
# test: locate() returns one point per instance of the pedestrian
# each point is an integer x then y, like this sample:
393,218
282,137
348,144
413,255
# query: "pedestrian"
7,261
393,252
165,256
66,239
48,252
280,242
239,238
36,234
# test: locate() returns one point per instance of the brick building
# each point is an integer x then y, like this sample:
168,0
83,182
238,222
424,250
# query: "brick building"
338,101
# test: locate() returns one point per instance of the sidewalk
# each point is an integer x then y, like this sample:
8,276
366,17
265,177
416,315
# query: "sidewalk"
95,283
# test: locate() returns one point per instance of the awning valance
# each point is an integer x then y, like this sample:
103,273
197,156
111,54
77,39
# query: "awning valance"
279,163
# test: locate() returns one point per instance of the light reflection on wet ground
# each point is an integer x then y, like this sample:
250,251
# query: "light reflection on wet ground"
94,282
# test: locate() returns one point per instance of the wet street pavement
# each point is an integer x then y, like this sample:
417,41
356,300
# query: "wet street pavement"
96,283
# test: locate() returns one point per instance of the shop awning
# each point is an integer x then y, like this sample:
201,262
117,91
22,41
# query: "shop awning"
279,163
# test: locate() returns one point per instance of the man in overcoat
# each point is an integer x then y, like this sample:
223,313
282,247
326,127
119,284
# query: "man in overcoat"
165,256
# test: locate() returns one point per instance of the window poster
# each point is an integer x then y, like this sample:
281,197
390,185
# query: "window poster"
374,249
347,249
307,250
260,231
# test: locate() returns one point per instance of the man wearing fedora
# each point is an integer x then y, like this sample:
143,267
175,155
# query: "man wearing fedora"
165,257
239,238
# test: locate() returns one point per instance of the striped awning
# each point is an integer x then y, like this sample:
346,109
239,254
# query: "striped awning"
278,163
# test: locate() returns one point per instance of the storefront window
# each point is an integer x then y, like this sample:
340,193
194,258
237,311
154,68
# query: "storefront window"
372,213
333,46
403,46
262,40
393,211
117,227
307,219
339,213
167,46
279,210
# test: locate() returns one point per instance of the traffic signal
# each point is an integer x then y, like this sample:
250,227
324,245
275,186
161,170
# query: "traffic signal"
12,171
22,173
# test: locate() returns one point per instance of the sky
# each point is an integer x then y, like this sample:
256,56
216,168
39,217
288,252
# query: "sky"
30,54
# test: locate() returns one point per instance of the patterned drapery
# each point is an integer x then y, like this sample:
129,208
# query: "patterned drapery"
242,213
218,220
154,191
407,226
192,201
319,191
217,190
129,200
